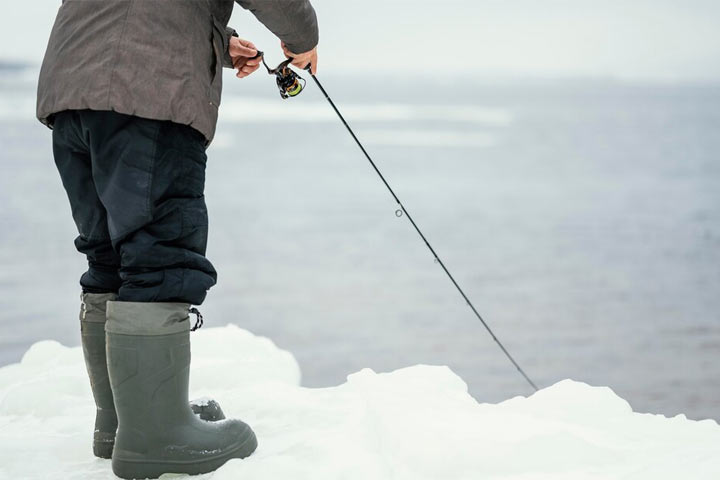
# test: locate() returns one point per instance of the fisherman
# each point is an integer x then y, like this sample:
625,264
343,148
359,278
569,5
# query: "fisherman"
131,89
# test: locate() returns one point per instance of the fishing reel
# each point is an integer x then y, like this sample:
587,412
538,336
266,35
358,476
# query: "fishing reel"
289,83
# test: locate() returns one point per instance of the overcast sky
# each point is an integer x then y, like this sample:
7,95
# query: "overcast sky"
636,39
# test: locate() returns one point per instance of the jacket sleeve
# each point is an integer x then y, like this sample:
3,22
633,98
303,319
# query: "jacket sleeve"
292,21
227,61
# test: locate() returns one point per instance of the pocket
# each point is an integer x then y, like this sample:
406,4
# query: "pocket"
220,45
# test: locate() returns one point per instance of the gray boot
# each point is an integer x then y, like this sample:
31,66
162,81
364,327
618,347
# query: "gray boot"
92,328
148,349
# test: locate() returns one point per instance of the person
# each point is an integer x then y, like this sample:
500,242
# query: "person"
131,89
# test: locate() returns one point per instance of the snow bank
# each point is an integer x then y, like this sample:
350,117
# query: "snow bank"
415,423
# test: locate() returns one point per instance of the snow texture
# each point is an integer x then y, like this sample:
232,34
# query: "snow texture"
414,423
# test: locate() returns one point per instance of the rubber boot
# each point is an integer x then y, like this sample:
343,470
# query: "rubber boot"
148,349
92,331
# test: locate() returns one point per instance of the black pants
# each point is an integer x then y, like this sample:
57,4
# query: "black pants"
136,192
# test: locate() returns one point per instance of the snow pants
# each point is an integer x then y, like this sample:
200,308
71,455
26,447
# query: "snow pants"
136,193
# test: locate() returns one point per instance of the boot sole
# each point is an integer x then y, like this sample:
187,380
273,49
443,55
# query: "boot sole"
103,444
145,468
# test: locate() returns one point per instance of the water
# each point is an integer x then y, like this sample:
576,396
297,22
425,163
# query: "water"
581,217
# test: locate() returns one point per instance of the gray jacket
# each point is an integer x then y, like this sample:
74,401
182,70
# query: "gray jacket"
158,59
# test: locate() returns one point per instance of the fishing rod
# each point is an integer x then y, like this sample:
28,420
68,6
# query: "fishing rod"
291,84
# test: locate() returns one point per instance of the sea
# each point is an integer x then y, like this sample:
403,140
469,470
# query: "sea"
581,217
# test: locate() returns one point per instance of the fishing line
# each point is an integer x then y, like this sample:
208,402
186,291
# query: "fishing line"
291,84
399,213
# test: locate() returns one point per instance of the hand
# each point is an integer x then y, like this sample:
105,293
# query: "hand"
242,53
302,60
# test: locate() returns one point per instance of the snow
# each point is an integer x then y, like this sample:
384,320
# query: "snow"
414,423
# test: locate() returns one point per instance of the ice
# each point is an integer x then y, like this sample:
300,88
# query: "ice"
414,423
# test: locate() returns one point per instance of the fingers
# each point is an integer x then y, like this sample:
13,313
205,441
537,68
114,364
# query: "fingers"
240,62
287,51
247,70
299,63
242,52
248,43
302,60
237,49
244,72
241,47
246,67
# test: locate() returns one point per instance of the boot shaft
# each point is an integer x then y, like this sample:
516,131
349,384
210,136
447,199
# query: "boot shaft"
148,354
149,375
92,333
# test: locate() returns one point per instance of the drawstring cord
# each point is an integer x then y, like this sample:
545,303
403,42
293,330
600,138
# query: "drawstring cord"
198,319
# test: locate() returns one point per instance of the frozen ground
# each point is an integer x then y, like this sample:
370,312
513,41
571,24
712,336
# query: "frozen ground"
415,423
